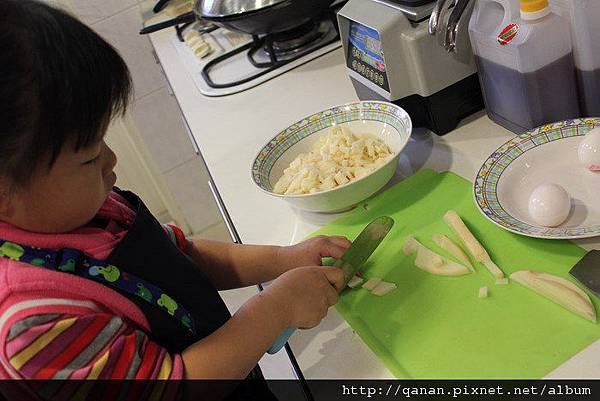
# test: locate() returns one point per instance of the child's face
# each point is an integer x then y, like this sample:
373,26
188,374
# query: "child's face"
68,195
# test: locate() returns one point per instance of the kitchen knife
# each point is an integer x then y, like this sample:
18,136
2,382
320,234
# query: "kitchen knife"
587,271
351,261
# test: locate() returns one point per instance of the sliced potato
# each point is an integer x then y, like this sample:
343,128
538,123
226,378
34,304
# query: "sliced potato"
383,288
410,245
449,246
371,283
430,261
558,290
494,269
470,242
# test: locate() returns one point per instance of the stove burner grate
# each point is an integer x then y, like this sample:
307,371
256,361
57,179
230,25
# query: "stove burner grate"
270,52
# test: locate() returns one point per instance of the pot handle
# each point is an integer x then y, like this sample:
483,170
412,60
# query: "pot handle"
159,6
182,19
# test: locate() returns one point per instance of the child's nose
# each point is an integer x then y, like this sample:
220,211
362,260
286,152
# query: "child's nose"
111,159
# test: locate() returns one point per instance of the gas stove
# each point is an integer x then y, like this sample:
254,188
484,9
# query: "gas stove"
222,62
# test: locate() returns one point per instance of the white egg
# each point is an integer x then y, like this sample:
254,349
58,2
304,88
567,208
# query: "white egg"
589,150
549,205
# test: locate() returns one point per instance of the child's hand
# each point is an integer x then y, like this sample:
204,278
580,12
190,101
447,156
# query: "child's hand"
311,251
302,296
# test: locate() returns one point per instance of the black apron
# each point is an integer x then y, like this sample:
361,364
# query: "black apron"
147,252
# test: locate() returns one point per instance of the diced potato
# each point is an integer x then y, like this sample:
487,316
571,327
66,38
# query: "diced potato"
202,49
340,178
282,185
371,283
190,35
357,147
309,183
360,172
483,292
370,149
336,159
502,281
327,183
355,282
558,290
383,288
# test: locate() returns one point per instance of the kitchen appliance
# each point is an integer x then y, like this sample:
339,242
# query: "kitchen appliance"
351,261
239,61
449,23
391,55
249,16
260,17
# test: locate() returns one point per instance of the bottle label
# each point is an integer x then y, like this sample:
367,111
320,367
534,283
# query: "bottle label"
508,34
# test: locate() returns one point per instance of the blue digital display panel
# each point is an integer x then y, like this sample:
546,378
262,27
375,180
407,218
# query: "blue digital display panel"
365,54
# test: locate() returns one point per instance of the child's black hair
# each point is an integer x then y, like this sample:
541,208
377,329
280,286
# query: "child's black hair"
60,83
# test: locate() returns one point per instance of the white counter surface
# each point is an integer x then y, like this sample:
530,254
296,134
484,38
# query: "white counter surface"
230,130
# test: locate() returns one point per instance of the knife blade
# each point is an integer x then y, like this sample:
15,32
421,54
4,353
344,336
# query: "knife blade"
351,261
587,271
363,246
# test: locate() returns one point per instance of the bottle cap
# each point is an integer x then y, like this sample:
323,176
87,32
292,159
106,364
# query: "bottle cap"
534,9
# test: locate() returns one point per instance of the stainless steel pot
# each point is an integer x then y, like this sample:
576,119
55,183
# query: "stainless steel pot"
257,17
228,8
254,17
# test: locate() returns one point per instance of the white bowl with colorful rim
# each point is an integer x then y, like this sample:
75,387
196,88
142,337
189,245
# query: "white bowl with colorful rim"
547,154
387,121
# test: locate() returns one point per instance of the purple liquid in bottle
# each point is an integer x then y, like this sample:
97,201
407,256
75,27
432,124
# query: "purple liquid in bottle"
522,101
589,92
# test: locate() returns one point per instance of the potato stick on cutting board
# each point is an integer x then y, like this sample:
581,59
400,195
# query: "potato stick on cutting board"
470,242
449,246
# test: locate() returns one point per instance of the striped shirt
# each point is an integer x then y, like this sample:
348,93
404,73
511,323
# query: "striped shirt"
60,326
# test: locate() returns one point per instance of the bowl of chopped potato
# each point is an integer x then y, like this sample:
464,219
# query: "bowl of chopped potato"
336,158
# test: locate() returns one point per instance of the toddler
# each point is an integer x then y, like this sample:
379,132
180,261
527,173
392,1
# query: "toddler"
91,285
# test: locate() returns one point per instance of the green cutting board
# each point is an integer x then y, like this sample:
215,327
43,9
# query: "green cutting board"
438,327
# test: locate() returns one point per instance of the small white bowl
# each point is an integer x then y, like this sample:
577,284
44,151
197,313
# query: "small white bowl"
385,120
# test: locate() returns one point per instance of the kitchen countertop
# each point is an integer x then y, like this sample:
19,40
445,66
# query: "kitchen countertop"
230,130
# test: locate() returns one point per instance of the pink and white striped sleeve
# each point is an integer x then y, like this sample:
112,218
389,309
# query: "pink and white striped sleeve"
58,338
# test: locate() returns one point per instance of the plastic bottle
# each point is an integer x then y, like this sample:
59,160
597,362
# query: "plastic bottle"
584,16
525,64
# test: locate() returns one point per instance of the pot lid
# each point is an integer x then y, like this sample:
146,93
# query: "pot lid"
230,8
